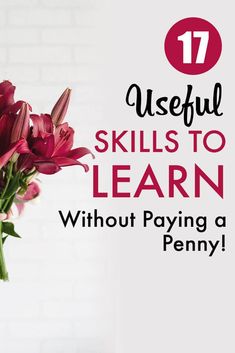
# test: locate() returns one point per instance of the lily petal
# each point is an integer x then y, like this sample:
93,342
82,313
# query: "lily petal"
63,139
41,123
79,153
65,162
13,148
7,91
6,123
46,166
31,193
44,147
14,108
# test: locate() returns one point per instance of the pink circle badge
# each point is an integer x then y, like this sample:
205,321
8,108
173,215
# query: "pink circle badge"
193,46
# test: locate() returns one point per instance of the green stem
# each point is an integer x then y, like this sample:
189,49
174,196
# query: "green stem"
8,179
3,269
6,206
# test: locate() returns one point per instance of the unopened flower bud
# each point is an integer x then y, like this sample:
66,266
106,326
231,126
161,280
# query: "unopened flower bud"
21,125
60,108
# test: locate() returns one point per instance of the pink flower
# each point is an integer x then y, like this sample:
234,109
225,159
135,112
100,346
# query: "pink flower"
31,193
13,131
7,102
29,144
6,95
51,149
6,124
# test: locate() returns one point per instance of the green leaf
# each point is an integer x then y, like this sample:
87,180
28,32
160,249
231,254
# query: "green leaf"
4,239
9,229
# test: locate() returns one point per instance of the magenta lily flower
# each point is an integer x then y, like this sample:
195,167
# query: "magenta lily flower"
30,194
6,95
7,149
7,102
30,144
51,149
13,127
13,131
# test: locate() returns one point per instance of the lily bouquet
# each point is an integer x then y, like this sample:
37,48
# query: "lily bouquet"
30,144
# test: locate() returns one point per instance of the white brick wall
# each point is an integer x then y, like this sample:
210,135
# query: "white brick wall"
11,36
58,299
39,17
